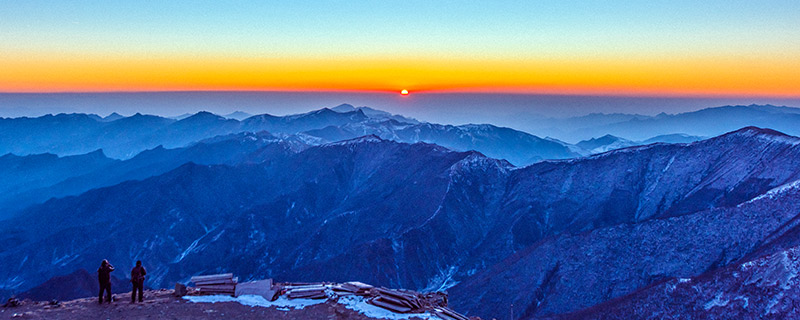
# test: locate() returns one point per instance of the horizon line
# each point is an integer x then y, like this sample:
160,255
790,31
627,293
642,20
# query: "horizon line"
616,94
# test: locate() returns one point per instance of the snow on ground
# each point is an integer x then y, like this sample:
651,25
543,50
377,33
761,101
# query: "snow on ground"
257,301
360,305
355,303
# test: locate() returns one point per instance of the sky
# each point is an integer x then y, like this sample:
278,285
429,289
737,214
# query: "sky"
673,48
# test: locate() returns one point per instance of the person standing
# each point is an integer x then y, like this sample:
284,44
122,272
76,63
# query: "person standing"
104,277
137,278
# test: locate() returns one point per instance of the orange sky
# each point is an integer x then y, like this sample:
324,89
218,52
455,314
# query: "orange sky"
767,76
658,47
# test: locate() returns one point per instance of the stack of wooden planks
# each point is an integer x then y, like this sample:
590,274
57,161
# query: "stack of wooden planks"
306,291
448,314
352,288
395,300
216,284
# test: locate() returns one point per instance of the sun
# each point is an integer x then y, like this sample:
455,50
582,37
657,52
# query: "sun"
404,92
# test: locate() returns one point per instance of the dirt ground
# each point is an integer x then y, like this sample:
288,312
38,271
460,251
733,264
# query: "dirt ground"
162,304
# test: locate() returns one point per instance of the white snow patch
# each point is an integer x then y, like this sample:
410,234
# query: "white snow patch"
355,303
360,305
718,301
774,192
364,139
258,301
768,137
746,301
669,164
443,280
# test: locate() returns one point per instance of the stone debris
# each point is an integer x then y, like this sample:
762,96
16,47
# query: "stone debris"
12,302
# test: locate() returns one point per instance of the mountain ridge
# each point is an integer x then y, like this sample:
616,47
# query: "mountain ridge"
422,216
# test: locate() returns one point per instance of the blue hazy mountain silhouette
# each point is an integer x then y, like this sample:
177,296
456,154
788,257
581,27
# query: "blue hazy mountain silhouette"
123,138
707,122
36,178
551,238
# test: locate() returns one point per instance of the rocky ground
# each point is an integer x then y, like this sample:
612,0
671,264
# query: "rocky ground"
162,304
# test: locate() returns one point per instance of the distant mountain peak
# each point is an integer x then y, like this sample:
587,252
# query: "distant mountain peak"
203,115
113,116
752,131
344,107
97,153
322,111
238,115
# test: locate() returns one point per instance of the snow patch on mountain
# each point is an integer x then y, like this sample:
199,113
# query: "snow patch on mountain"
775,192
766,135
365,139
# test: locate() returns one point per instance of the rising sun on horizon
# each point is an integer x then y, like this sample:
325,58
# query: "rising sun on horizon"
404,92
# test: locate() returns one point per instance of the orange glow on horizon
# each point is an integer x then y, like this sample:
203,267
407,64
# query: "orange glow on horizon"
709,76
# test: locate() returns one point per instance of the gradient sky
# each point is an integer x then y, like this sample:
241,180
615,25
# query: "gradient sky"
672,48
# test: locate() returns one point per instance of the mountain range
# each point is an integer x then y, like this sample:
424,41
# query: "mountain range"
706,122
37,178
551,238
124,137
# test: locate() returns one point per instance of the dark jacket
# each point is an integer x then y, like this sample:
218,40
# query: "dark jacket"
137,274
104,273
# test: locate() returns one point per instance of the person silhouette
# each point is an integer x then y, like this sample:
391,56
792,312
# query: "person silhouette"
104,277
137,278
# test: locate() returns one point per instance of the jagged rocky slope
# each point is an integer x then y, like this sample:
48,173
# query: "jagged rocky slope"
761,285
551,238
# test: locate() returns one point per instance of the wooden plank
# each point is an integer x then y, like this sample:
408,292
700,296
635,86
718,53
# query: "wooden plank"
359,285
305,286
212,277
219,287
395,301
321,289
212,282
307,295
216,290
389,306
447,313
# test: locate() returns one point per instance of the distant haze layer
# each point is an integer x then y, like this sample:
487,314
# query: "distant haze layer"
447,108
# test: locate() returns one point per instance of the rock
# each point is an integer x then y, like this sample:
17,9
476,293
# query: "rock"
180,290
12,302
